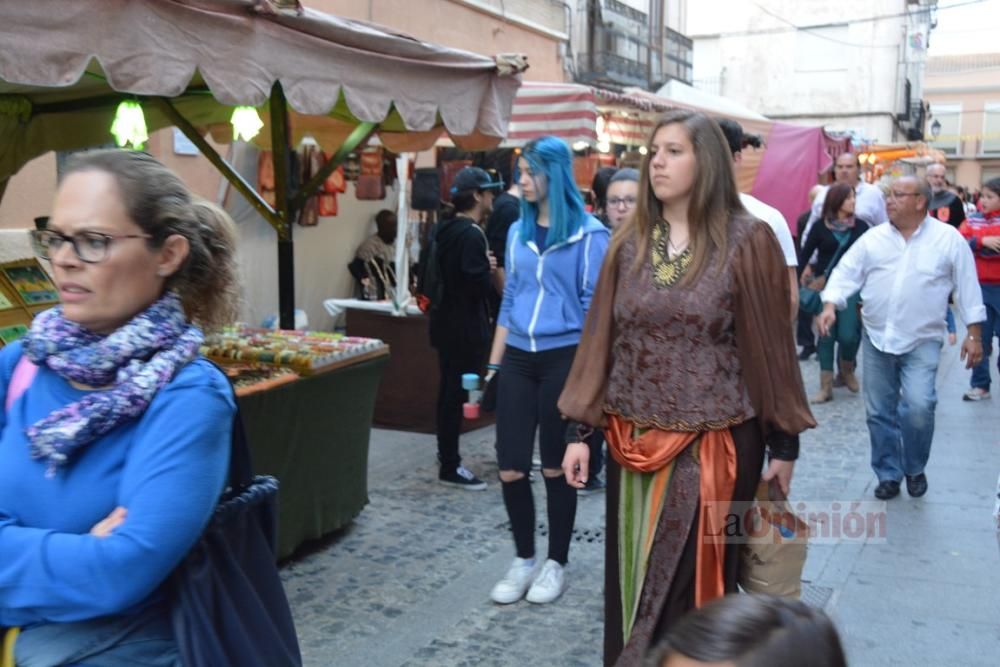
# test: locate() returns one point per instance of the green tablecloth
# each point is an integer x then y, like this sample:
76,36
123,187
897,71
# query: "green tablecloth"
312,434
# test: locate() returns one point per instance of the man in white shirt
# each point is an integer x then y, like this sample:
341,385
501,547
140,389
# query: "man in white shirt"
905,272
758,209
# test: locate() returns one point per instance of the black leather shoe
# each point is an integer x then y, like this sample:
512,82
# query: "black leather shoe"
888,489
807,351
916,485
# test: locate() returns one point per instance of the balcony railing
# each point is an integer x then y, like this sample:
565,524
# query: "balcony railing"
618,59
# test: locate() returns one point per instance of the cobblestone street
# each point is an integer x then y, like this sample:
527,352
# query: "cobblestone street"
408,582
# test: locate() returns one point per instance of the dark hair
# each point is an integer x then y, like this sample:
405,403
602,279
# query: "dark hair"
736,137
464,201
158,202
599,186
836,195
755,631
385,221
993,185
714,199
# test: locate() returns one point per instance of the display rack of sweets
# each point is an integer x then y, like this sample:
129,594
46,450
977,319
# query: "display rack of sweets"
305,352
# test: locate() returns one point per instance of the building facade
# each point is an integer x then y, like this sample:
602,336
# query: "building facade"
963,95
853,66
630,43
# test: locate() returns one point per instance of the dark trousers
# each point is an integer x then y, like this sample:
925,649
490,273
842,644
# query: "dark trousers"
530,384
453,361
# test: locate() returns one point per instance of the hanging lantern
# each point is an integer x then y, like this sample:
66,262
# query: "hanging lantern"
246,123
129,126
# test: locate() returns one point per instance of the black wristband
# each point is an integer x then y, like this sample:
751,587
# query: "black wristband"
577,432
783,447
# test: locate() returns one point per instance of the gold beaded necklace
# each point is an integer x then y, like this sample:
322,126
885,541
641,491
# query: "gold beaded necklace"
667,270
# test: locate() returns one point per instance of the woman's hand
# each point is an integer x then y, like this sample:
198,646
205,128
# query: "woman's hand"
782,471
107,525
576,464
807,276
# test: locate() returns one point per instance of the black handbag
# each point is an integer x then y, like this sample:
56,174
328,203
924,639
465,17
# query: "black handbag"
228,606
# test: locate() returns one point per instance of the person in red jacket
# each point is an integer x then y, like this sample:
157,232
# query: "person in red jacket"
983,232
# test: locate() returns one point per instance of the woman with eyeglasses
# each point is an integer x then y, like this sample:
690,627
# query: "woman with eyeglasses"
623,193
115,438
687,362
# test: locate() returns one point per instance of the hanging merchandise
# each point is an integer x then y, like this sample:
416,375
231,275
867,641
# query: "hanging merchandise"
310,162
265,176
335,182
426,189
327,204
370,185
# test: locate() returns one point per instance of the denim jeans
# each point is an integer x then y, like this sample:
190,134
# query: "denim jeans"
991,299
144,639
900,399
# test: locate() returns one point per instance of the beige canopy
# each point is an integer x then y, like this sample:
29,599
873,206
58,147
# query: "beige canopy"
65,67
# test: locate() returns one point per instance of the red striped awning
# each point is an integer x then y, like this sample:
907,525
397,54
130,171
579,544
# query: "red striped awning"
564,110
571,111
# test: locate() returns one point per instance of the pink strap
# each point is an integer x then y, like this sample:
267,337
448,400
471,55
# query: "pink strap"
24,375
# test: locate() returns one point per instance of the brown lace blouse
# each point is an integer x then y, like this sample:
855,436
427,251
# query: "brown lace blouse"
697,357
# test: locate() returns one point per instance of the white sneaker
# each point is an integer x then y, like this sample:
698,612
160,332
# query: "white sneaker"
548,585
513,585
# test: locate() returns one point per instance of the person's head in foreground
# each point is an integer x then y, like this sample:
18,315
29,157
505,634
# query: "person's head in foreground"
752,631
126,233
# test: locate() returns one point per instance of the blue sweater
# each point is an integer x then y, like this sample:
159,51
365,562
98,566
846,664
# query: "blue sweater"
167,468
546,295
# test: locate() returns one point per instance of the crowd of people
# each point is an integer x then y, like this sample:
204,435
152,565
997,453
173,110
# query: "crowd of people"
660,325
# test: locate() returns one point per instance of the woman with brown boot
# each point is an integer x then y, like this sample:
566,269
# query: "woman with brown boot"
830,240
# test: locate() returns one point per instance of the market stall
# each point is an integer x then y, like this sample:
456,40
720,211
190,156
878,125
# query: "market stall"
68,69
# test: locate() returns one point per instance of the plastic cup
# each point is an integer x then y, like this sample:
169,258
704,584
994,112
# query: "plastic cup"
470,410
470,381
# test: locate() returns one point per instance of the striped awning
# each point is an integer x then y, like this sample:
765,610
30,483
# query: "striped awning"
565,110
578,113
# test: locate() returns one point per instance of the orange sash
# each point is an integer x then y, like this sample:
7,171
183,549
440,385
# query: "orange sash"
717,452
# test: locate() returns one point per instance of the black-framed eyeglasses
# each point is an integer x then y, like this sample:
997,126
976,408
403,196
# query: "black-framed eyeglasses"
90,247
627,202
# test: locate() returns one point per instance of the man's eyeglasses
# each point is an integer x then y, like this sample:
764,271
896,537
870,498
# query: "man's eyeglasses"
90,247
627,202
899,195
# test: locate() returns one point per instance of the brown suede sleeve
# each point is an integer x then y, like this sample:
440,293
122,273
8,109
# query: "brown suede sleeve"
582,398
765,344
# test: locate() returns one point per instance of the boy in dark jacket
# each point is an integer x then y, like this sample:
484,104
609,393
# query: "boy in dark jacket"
460,325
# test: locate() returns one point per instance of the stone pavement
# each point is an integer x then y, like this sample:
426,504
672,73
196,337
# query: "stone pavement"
408,583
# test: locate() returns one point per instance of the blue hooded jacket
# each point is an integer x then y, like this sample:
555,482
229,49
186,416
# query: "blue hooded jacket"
546,295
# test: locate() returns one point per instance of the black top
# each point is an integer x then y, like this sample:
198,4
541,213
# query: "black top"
947,207
800,228
463,317
506,211
821,239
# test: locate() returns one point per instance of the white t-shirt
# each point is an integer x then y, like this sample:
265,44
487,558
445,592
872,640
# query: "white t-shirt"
776,220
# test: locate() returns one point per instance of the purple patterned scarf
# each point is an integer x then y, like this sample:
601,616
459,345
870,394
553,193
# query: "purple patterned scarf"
134,362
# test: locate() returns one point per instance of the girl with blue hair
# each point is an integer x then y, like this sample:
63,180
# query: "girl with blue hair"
554,255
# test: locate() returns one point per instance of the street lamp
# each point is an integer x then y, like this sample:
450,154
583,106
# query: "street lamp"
935,128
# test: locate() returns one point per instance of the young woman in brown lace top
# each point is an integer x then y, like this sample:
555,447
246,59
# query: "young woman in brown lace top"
687,362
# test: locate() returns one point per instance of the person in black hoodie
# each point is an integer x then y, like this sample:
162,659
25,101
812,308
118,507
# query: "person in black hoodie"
460,325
